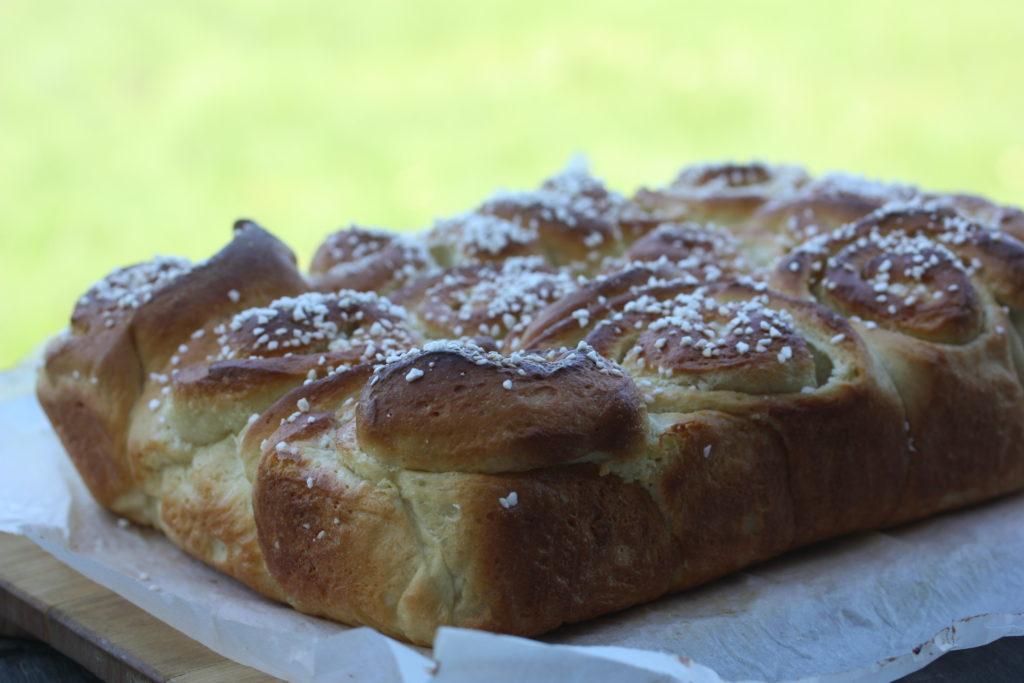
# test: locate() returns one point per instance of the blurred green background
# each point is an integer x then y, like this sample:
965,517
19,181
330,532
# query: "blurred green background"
129,128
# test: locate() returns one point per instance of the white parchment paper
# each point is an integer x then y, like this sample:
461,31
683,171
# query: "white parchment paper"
871,607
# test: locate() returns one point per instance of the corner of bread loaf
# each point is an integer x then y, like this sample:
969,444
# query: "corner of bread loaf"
87,386
340,546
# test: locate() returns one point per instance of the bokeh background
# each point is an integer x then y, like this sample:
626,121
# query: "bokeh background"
129,129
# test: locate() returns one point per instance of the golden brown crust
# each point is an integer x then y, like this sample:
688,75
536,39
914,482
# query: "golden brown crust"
368,260
490,301
572,214
920,283
455,408
92,425
1008,219
481,237
742,349
819,207
727,193
576,545
732,475
573,404
130,325
965,420
688,243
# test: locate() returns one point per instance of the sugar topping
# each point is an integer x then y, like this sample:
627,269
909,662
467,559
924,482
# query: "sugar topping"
128,288
901,248
691,247
495,300
1001,217
482,235
725,178
832,200
509,501
356,242
842,185
912,264
572,198
361,324
356,250
699,323
519,362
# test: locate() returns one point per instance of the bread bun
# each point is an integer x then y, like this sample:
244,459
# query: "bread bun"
560,404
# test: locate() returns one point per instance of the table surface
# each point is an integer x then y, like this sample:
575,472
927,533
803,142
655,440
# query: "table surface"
45,600
56,624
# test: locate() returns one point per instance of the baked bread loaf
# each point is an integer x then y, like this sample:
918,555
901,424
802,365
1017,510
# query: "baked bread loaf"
559,404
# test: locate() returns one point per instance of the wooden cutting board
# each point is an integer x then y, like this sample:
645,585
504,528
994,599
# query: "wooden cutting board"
109,636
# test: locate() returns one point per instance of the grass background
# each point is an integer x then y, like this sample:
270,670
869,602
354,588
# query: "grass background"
134,128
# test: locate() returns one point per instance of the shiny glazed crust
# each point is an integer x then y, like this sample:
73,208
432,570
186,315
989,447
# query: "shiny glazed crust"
560,404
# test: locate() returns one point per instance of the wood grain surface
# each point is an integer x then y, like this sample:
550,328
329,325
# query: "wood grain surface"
44,599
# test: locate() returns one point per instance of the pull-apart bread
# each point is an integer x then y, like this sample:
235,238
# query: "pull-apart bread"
561,403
